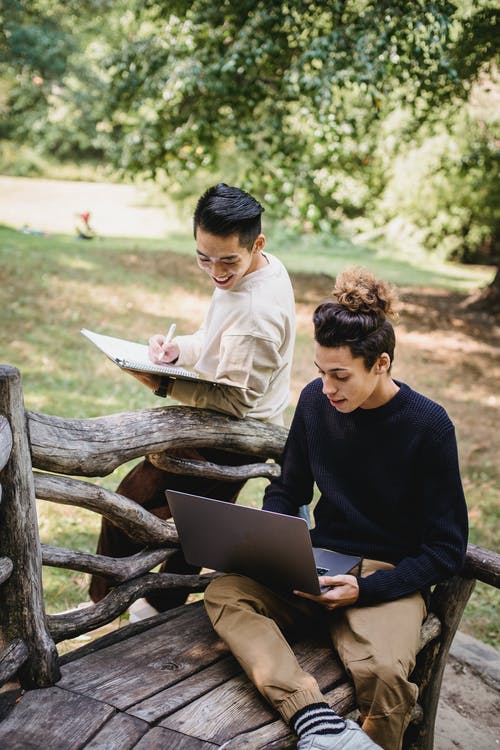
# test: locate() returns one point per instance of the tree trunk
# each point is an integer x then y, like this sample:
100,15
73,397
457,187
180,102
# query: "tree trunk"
488,299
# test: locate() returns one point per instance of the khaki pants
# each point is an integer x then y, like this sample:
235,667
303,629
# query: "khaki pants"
377,646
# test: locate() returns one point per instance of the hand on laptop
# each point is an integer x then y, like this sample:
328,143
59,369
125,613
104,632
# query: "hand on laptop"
341,592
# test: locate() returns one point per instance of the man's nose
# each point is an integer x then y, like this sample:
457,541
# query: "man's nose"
328,387
216,264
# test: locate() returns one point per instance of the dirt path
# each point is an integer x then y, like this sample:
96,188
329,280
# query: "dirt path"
469,711
51,206
434,332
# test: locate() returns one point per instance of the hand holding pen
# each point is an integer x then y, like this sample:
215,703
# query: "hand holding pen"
161,348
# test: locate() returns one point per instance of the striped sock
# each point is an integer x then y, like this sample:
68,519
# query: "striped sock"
317,718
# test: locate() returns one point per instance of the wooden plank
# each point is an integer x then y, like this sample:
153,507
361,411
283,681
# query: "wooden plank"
132,670
342,698
236,707
121,732
117,636
163,739
233,707
8,698
321,661
181,694
53,718
277,735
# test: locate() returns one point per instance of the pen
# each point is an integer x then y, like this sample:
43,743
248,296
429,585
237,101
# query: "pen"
169,336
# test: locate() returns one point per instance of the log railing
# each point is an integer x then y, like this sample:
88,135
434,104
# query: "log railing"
57,448
23,626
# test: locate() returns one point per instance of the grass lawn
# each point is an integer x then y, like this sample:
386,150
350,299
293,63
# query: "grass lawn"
51,286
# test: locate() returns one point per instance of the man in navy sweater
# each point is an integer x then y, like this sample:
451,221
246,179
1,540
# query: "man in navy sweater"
384,459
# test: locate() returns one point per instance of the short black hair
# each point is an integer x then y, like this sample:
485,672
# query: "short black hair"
224,210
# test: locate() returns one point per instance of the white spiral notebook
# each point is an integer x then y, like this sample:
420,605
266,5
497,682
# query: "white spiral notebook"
130,355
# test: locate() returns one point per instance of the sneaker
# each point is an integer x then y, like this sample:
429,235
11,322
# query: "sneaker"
141,610
351,738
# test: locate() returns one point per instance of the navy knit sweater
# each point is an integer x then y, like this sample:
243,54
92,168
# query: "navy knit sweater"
389,485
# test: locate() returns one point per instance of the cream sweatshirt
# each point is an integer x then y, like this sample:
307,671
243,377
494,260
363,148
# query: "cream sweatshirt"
247,338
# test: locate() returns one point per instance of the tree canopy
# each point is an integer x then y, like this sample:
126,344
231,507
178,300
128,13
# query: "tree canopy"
312,102
291,82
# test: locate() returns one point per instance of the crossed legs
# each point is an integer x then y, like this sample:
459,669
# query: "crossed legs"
376,644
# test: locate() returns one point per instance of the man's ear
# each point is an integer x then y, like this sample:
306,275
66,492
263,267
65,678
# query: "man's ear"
259,244
383,363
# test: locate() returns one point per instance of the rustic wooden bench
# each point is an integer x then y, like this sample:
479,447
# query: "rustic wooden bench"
167,681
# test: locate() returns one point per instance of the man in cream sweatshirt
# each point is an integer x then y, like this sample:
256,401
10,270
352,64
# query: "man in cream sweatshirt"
247,338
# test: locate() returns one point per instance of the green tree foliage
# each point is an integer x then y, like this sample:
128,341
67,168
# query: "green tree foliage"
321,99
301,86
34,49
447,189
313,104
50,68
32,38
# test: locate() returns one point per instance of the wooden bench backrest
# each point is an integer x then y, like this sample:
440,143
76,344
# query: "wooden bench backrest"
61,449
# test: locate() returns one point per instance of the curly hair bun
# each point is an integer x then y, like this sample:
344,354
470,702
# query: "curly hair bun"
358,290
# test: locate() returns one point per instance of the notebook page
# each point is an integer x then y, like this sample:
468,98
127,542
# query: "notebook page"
132,355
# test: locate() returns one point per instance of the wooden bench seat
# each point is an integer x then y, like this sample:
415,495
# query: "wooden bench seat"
166,682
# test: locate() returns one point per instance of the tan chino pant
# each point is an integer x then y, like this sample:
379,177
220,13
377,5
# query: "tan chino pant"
377,645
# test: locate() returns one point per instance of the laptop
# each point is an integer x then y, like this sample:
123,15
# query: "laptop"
270,547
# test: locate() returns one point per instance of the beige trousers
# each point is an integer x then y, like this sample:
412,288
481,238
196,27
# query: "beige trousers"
377,646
